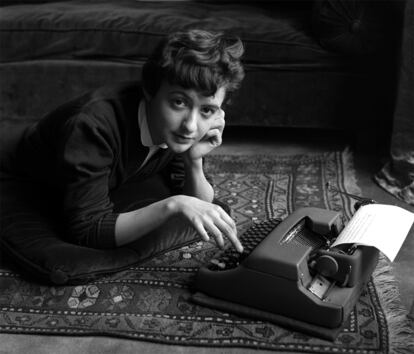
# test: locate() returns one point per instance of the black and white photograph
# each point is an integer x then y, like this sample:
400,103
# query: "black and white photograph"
207,176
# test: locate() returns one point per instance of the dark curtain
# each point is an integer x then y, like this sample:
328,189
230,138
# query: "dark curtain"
397,176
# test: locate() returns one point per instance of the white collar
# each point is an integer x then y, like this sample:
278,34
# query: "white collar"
146,139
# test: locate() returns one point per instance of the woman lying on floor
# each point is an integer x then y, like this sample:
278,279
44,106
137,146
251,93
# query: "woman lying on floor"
102,171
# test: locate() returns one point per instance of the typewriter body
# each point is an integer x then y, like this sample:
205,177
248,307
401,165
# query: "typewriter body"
289,269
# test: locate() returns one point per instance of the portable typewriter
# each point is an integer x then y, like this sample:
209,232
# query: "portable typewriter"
289,269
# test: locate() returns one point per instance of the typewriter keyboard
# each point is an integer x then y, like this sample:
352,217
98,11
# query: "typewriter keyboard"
230,258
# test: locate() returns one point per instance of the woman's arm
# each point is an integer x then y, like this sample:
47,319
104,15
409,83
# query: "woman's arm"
195,183
206,218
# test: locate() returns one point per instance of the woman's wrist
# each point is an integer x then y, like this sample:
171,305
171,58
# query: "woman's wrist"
173,205
192,164
194,169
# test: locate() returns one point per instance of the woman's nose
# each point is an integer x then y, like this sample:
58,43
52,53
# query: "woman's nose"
190,121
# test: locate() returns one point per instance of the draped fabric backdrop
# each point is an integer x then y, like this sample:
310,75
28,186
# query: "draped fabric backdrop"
397,176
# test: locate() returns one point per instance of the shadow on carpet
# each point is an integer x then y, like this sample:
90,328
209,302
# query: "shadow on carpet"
151,300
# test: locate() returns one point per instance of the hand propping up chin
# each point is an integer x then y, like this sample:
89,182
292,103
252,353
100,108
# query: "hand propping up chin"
211,139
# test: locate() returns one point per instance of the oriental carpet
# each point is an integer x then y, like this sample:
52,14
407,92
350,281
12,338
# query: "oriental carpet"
151,301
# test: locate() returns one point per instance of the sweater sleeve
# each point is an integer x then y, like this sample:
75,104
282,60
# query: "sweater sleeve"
86,155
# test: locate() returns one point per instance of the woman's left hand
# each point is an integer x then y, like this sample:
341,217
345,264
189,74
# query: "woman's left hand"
211,139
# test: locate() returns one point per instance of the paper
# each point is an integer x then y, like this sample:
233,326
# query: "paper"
382,226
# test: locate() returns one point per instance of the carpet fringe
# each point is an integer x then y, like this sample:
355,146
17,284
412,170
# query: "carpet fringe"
401,335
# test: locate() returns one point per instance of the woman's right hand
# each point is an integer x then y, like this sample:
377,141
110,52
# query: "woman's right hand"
206,218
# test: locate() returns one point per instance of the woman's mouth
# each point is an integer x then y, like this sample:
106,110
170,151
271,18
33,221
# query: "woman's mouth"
183,139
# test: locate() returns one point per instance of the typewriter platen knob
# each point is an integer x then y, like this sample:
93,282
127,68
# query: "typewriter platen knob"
326,265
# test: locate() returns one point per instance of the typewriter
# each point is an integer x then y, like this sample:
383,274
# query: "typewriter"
289,269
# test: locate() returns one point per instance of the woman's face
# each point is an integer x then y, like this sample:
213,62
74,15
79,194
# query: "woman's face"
181,117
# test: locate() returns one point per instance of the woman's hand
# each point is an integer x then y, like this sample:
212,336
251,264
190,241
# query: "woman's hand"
211,139
207,218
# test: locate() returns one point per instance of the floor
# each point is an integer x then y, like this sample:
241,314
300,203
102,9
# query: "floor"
242,141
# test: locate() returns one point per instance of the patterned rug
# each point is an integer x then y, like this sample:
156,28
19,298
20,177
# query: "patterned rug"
151,301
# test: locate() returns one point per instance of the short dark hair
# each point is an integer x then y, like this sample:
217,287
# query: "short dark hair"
196,59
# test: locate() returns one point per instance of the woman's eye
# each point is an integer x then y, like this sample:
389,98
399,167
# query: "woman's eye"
178,102
207,111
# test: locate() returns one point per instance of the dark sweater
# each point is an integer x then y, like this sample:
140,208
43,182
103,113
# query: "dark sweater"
82,151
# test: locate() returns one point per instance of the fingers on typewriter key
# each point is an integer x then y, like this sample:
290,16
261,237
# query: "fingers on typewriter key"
217,224
209,230
228,228
231,234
